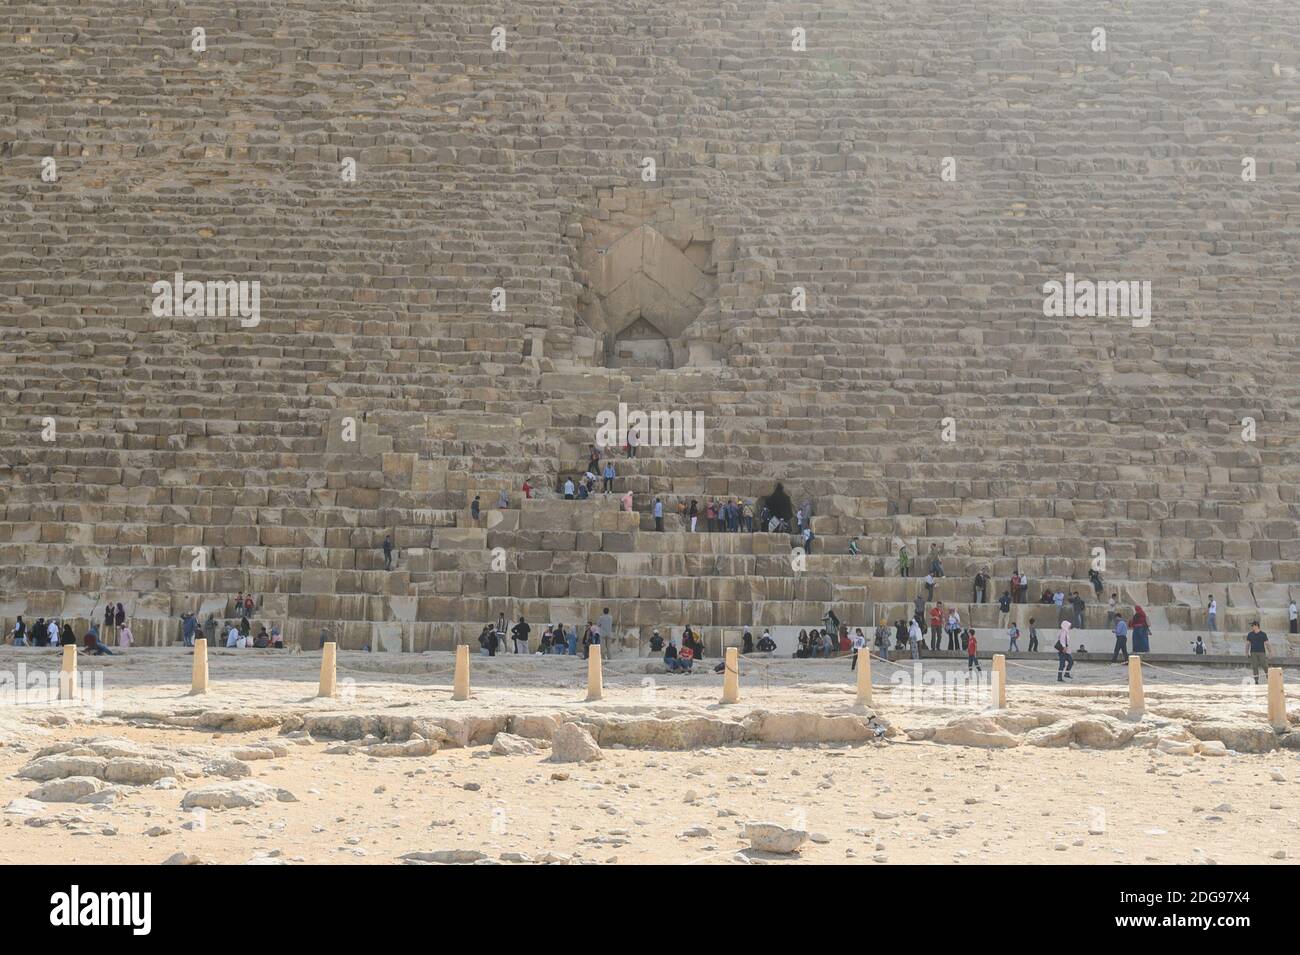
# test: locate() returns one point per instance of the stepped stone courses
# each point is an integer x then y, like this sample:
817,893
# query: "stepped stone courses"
521,170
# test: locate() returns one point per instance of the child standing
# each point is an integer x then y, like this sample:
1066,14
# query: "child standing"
972,661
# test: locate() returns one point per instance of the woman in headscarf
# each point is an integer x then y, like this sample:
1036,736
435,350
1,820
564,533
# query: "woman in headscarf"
1140,628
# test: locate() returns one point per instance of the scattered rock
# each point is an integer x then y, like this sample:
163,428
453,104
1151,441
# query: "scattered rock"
573,744
770,837
234,795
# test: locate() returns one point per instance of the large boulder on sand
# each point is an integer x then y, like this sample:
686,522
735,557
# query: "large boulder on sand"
770,837
45,768
1242,737
68,789
975,731
573,744
238,795
506,744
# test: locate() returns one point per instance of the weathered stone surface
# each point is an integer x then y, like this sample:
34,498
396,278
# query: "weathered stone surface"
507,744
1242,737
445,856
771,837
573,744
68,789
975,731
234,795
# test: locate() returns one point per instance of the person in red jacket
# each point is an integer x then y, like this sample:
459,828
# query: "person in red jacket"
936,625
972,661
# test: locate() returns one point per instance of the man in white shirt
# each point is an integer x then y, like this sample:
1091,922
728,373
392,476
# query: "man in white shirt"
54,633
568,489
1293,616
1212,612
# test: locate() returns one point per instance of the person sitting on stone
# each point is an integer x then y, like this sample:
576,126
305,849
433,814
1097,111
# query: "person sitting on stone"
263,639
765,643
277,638
853,546
583,493
568,489
93,645
671,660
487,641
802,651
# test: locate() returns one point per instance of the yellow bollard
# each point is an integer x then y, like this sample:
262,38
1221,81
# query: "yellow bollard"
864,676
1276,700
199,672
68,673
1000,679
1137,701
731,677
460,689
595,684
328,668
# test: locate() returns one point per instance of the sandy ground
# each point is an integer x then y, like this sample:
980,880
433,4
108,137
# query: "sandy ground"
902,798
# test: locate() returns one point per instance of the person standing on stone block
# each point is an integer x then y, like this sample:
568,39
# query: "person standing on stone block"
1293,615
1013,639
210,630
1033,637
929,586
711,516
519,634
189,627
1076,604
954,630
1257,648
693,512
936,626
1004,609
605,624
659,514
1097,585
608,477
503,501
388,552
1212,613
972,648
108,621
918,606
981,588
904,562
747,515
527,490
475,509
20,633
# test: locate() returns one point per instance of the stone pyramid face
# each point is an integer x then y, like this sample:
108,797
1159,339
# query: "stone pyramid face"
877,267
